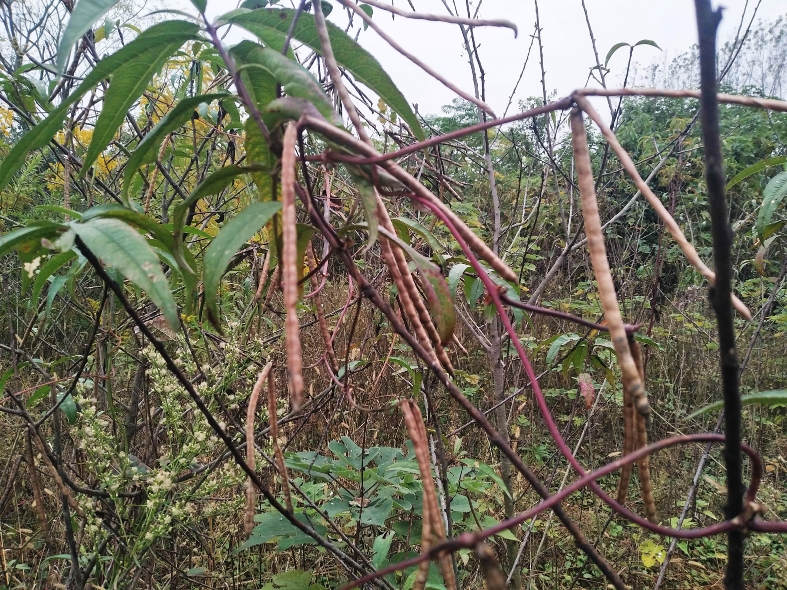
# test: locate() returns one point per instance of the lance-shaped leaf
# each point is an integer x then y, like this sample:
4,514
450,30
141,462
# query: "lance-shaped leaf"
138,220
295,79
143,48
271,26
126,85
777,397
258,82
121,246
233,235
49,268
31,232
455,275
773,196
86,12
212,185
259,155
754,169
147,149
369,200
438,296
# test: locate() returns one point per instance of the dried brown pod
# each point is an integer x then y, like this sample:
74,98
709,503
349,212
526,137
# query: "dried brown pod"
251,409
320,310
433,531
281,467
598,258
289,263
641,440
490,568
672,226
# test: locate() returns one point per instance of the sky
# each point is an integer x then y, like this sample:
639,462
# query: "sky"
568,54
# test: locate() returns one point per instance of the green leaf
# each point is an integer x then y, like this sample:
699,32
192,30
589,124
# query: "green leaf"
455,275
258,154
260,83
271,27
369,12
147,149
85,14
37,396
368,195
418,227
23,235
647,42
212,185
754,169
380,548
776,397
138,220
612,51
121,246
200,5
558,343
223,247
773,195
54,288
49,268
126,85
68,407
142,48
377,512
295,79
273,526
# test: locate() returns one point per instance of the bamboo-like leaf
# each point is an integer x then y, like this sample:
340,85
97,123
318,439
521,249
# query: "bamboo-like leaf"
455,275
647,42
776,397
121,246
259,155
612,51
126,86
271,26
147,149
223,247
441,302
140,49
85,14
754,169
773,196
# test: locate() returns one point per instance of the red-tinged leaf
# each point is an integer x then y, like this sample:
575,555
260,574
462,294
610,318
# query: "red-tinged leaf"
587,390
441,303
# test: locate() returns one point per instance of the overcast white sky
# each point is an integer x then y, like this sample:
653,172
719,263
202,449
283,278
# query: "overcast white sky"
567,50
